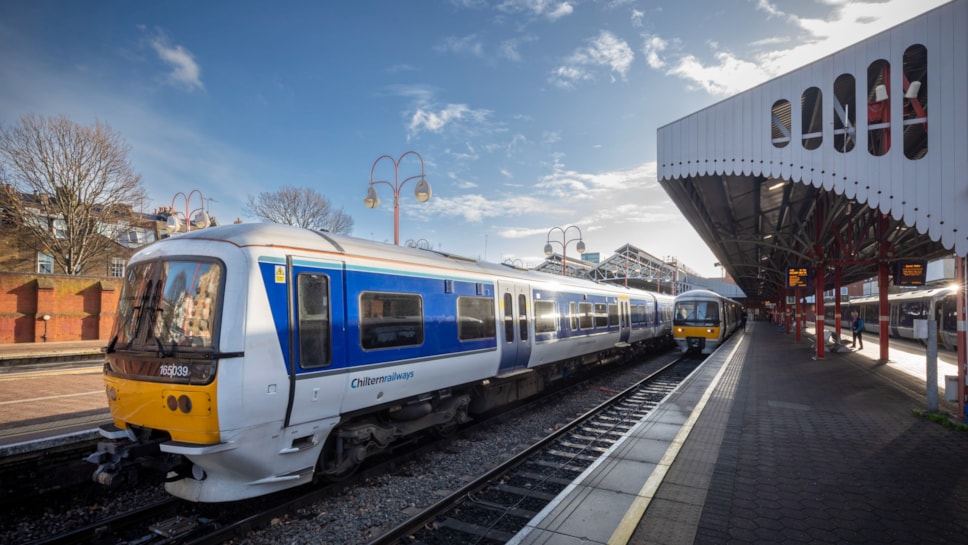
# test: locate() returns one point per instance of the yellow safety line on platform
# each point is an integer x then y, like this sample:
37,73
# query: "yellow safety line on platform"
623,533
51,397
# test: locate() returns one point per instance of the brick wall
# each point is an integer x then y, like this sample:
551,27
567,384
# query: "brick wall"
81,308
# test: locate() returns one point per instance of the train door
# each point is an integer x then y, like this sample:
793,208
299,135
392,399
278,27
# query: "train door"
317,342
515,309
624,319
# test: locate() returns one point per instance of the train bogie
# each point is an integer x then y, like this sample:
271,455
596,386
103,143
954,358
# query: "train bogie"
260,357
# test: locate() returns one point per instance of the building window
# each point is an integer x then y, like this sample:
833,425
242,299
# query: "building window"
781,123
879,107
45,263
117,267
845,112
811,118
915,101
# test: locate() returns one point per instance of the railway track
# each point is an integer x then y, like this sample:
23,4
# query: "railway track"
174,521
494,507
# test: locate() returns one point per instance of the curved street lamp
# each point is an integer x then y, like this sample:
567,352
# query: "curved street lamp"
202,219
549,251
421,192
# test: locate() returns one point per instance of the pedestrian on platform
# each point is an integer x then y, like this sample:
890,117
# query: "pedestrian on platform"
857,327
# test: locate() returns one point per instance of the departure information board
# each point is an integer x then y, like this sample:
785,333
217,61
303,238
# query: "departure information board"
799,277
910,272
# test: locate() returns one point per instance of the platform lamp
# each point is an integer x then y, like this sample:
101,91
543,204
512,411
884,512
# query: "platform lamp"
421,192
45,318
549,251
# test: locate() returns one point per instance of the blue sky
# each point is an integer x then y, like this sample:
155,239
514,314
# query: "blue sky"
529,114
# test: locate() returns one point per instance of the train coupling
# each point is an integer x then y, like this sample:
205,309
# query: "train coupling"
121,460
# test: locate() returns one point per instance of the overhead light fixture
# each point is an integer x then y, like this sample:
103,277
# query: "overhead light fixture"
768,237
880,93
912,91
777,185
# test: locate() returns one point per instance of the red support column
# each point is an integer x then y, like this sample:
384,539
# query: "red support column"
882,287
837,311
818,328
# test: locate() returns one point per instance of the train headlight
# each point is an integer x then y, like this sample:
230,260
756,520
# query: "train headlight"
710,330
112,393
172,403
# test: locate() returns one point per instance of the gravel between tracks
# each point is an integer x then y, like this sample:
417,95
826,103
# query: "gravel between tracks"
379,504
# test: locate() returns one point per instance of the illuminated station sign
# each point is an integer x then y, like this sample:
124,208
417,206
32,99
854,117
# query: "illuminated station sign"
910,272
799,277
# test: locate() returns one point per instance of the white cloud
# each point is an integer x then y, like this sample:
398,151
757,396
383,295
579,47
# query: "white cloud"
548,9
425,119
185,71
471,45
604,51
654,46
476,207
637,18
849,23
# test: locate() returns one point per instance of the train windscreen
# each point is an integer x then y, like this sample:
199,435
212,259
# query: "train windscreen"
696,313
168,305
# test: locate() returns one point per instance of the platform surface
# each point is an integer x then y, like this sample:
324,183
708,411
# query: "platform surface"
767,444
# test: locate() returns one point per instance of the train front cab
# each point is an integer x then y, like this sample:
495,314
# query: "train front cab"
699,324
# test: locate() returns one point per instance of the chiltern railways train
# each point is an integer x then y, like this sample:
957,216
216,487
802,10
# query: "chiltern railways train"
251,358
703,319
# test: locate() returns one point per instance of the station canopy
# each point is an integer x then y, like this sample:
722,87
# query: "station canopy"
851,162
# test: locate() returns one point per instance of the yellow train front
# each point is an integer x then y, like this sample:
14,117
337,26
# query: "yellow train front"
703,319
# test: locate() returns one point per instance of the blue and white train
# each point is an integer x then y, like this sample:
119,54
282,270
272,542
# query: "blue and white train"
252,358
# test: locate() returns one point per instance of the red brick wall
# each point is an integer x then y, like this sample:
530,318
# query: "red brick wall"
81,308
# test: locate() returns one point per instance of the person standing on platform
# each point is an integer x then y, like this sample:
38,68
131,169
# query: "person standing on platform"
857,327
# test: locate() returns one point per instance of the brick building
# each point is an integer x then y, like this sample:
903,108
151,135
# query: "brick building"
77,307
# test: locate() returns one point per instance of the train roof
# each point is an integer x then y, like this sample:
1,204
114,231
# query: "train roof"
913,295
246,235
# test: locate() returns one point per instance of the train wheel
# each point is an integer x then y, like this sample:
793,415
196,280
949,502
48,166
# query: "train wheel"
333,468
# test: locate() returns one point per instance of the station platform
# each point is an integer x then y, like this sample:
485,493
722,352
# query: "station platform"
766,444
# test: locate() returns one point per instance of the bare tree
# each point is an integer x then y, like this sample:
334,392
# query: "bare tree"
68,186
299,206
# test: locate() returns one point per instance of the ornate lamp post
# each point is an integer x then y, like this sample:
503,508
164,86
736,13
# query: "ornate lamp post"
202,219
548,250
422,191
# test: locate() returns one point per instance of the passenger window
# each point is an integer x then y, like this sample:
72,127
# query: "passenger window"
523,316
573,315
545,317
508,318
475,318
601,315
585,315
613,315
314,338
390,320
